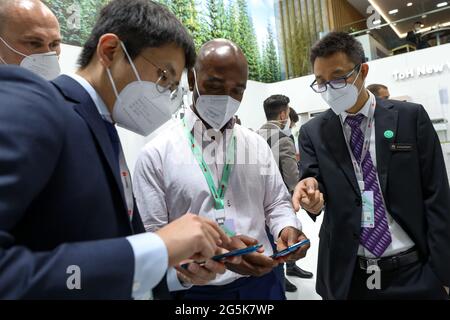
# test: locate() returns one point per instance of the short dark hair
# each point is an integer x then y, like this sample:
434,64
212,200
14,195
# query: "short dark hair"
335,42
139,24
274,105
375,88
293,116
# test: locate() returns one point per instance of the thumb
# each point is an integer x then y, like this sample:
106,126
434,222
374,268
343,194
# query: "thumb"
292,238
248,241
311,186
299,193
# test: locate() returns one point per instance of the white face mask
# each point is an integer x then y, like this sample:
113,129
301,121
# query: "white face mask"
340,100
44,64
287,130
140,107
217,110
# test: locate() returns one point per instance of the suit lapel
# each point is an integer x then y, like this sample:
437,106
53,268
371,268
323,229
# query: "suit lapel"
86,108
386,120
335,141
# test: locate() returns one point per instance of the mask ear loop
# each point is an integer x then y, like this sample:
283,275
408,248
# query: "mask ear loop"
1,59
12,49
196,88
131,62
108,71
363,85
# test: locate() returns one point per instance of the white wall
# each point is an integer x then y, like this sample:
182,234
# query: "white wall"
251,111
423,90
68,58
419,89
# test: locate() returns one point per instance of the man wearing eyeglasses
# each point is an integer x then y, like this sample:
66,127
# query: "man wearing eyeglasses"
376,169
69,226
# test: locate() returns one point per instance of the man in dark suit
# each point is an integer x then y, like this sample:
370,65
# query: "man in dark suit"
69,226
376,168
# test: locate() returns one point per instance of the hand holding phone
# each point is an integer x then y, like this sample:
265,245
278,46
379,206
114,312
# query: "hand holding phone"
290,249
234,253
237,253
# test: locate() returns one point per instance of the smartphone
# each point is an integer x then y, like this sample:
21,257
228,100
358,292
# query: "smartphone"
290,249
234,253
237,253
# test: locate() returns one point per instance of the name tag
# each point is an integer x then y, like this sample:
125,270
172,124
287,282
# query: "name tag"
402,147
368,214
229,227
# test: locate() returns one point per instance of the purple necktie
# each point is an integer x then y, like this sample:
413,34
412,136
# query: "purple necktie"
376,239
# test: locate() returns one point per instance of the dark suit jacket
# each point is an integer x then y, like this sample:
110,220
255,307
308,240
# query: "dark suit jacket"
61,198
414,184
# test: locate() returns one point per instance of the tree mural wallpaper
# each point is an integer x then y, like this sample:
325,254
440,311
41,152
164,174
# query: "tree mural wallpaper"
205,20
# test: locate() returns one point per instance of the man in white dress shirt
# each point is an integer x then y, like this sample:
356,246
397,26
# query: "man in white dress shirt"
179,172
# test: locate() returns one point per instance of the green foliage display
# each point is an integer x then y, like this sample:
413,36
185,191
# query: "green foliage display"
76,18
270,65
247,40
205,20
299,50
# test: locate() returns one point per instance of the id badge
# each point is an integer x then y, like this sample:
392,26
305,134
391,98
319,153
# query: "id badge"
368,214
229,227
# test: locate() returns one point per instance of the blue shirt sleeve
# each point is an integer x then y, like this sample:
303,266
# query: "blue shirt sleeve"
173,283
151,263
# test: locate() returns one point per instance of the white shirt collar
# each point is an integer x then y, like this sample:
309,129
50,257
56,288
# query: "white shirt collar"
364,110
98,101
191,118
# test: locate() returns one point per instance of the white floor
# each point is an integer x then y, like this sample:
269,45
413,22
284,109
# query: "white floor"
307,287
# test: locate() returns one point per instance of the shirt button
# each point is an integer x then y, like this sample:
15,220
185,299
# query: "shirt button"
136,286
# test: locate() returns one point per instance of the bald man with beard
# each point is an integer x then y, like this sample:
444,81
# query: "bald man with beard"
30,37
209,165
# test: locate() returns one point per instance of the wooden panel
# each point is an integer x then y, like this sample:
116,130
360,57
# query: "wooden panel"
342,15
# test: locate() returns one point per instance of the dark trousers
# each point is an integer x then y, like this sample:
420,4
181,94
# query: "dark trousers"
267,287
413,282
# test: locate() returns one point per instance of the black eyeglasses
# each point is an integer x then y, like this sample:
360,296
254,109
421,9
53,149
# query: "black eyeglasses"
338,83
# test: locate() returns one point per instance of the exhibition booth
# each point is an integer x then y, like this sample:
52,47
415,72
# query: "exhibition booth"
421,76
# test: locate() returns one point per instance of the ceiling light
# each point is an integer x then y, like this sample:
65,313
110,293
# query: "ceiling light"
393,11
386,18
442,4
409,4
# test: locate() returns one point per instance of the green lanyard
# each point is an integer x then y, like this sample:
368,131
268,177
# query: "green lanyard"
218,195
